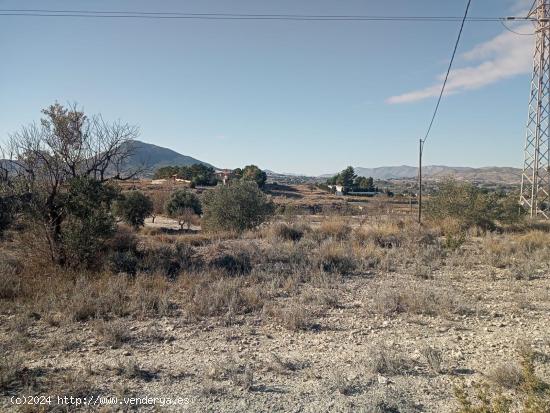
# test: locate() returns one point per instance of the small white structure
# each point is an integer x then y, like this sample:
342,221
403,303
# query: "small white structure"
338,188
158,181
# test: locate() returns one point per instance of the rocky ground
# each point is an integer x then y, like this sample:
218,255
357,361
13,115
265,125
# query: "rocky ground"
352,357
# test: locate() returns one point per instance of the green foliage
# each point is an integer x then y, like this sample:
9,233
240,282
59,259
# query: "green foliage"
255,174
350,181
509,211
184,206
347,177
364,184
6,213
88,224
133,208
198,174
236,207
471,206
181,200
532,396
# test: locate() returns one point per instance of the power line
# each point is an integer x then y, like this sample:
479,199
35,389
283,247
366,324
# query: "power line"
448,72
423,141
236,16
513,31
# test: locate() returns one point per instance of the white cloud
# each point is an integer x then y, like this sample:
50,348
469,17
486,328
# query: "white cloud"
502,57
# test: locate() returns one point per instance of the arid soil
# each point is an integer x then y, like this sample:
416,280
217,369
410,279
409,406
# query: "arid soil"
395,338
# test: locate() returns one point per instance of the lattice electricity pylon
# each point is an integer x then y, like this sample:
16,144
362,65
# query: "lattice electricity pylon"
535,179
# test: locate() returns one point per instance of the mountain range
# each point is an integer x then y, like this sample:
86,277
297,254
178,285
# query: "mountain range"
152,157
149,157
493,174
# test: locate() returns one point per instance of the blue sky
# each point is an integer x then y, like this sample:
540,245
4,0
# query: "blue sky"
302,97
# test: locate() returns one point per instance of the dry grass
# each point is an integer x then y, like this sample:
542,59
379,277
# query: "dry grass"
388,361
238,373
507,375
293,317
418,299
10,367
383,235
335,229
113,333
340,382
335,258
434,358
287,232
226,296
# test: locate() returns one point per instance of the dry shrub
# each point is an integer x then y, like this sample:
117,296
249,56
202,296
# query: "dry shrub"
335,229
426,259
506,375
335,259
281,366
10,367
81,297
530,394
294,317
533,241
388,361
124,239
284,258
426,300
287,232
101,297
130,369
208,297
383,235
232,260
10,280
169,260
327,298
71,382
151,295
240,374
231,263
434,358
113,333
499,252
390,399
448,226
339,381
150,231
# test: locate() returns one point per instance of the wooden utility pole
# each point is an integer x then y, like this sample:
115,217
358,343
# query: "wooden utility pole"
420,150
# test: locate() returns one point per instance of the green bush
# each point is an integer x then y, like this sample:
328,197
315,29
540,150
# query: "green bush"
89,224
133,208
471,206
232,263
124,262
184,206
236,207
169,260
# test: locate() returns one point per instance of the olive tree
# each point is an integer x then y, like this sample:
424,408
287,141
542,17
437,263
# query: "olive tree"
42,159
133,208
184,206
472,206
235,207
254,174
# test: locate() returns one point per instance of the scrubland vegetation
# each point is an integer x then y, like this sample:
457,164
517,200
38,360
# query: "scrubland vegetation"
251,307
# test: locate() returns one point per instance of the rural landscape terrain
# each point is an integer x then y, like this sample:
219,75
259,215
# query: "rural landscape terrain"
133,280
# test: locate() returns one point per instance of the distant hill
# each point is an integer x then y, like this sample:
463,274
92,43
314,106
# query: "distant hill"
151,157
491,174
